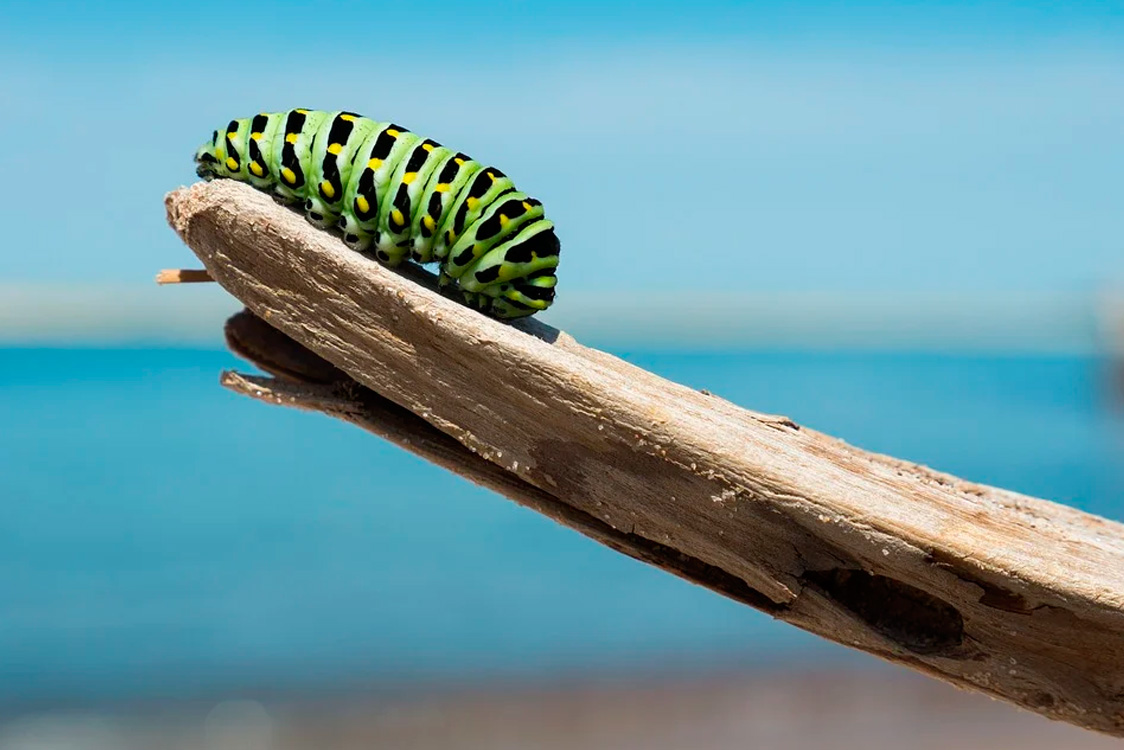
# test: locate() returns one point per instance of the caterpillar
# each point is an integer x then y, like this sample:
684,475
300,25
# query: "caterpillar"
398,196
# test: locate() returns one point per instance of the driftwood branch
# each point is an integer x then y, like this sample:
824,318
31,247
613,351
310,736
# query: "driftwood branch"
303,380
1013,596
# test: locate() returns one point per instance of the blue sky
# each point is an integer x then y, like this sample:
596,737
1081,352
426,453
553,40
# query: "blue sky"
815,146
215,25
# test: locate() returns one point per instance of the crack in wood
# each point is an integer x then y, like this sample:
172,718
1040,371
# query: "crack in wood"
914,619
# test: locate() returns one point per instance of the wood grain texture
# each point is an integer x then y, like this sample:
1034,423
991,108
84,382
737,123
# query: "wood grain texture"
304,380
1017,597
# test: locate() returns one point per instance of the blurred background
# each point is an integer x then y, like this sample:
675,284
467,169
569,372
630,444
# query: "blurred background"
896,223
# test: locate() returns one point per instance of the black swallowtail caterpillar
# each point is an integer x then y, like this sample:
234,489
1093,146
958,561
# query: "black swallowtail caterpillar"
398,196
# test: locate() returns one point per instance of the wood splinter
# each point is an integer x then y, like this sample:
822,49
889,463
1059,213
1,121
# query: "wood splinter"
1012,596
183,276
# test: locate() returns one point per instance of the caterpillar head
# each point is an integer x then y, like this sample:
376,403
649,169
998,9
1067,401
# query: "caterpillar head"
207,164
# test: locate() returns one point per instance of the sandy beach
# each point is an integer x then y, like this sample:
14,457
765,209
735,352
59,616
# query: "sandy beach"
872,709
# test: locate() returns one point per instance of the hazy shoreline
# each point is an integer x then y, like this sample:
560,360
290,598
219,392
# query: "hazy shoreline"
1073,323
873,708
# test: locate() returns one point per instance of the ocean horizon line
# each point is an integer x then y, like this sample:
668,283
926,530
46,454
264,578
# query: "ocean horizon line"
1064,323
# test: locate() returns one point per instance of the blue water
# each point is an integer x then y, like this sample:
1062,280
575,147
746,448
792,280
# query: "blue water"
161,535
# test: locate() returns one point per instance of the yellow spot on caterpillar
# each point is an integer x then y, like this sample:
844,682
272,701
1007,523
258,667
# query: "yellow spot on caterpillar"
427,146
393,133
256,169
362,204
347,118
472,203
327,188
291,138
220,154
504,220
231,164
302,111
335,148
460,162
288,175
526,206
442,187
399,219
430,224
374,164
450,237
232,134
409,177
492,176
256,136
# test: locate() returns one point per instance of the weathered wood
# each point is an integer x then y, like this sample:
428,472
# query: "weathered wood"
1017,597
303,380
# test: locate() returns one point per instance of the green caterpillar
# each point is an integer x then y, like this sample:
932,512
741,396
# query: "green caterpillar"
399,196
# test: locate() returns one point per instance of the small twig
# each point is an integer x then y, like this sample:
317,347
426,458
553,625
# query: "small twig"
1016,597
183,276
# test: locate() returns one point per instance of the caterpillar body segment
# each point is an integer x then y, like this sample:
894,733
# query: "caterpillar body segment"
498,221
332,166
444,195
398,196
